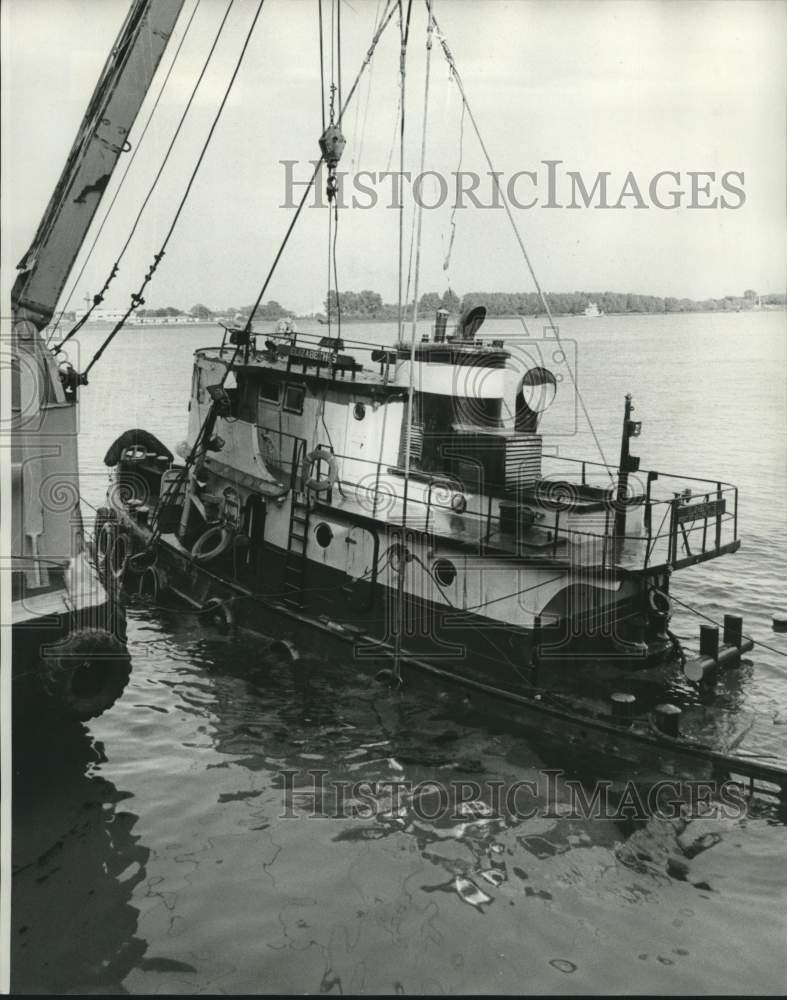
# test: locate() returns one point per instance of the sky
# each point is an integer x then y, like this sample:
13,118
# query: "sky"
640,86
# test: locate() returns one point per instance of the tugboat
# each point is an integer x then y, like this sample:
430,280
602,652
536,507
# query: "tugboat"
295,489
396,499
68,649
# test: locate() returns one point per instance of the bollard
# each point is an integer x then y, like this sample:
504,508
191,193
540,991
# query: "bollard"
668,719
733,630
623,706
709,641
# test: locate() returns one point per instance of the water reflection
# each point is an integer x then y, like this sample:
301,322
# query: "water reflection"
76,861
258,875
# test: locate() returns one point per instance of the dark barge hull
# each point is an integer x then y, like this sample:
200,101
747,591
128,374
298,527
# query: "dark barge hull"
643,752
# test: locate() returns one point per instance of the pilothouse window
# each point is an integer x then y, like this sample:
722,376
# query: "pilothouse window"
269,392
294,396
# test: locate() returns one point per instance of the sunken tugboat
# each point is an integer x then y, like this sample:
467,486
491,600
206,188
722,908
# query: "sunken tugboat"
310,493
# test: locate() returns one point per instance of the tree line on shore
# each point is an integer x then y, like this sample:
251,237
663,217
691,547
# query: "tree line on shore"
369,305
266,310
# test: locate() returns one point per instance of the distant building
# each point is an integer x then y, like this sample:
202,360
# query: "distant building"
101,315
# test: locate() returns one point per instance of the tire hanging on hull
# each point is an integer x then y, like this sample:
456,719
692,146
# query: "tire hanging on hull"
85,674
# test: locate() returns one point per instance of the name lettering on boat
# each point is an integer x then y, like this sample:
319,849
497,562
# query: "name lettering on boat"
697,511
307,355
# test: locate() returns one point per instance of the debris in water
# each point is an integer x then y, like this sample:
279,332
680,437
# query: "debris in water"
700,844
677,869
476,809
469,892
494,876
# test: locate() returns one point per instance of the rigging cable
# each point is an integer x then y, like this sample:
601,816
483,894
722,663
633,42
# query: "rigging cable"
757,642
97,299
362,131
335,269
404,31
339,47
322,67
120,185
336,199
414,332
207,423
331,185
136,297
452,221
495,175
308,187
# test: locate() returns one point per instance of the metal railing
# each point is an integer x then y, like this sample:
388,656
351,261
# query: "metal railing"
690,525
382,355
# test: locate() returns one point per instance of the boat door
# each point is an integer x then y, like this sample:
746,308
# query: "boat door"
254,526
360,453
363,550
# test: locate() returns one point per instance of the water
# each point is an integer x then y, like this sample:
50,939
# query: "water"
153,851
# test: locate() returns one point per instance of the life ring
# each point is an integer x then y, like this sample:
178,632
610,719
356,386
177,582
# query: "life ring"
312,459
119,555
85,674
659,602
150,584
211,544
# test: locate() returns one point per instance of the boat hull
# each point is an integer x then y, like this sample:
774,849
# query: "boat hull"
606,747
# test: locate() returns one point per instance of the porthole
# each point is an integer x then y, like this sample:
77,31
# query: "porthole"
359,411
324,535
444,572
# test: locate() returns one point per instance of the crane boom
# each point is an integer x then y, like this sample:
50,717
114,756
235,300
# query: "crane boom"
102,137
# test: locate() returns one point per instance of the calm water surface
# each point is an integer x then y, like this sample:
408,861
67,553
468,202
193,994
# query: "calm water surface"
152,849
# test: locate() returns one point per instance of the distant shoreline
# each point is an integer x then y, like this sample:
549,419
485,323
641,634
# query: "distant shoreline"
376,320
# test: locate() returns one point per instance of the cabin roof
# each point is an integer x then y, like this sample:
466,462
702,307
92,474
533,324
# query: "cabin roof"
363,369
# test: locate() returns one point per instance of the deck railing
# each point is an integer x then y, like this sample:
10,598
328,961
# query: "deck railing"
694,520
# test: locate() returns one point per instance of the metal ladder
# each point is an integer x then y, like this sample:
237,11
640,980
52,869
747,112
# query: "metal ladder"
295,560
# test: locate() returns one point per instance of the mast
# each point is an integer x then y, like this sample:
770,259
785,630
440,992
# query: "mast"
628,463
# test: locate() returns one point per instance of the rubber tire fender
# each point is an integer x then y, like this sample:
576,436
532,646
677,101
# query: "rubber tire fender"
219,614
151,586
85,673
